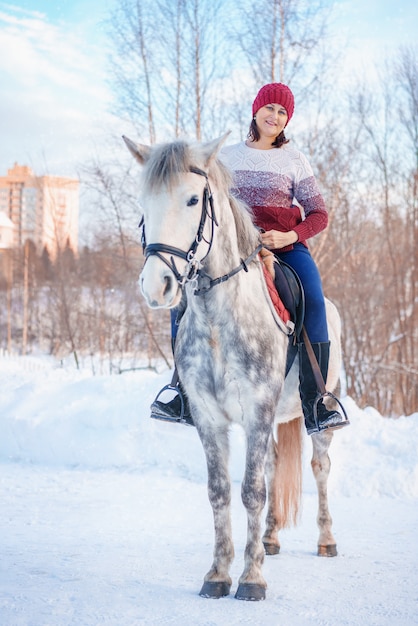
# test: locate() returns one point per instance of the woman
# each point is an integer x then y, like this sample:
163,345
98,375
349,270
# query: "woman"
269,175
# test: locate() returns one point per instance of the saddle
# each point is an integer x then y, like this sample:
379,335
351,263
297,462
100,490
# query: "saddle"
287,295
290,289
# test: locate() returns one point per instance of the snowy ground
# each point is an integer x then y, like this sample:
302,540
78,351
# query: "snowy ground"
104,517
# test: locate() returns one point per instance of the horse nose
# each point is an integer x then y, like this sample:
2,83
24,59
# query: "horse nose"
158,285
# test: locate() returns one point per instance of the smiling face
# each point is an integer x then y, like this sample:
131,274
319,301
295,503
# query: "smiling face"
271,120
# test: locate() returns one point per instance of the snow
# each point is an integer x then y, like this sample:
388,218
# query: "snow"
105,520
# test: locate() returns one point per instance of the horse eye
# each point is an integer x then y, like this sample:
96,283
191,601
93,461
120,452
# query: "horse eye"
193,200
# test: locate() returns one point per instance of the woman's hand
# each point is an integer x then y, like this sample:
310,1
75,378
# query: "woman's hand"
274,239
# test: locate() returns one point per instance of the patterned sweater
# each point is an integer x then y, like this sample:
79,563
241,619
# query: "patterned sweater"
269,181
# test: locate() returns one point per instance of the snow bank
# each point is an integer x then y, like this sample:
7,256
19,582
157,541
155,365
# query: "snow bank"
105,518
55,416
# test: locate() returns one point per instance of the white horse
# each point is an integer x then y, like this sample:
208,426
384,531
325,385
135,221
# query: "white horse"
202,249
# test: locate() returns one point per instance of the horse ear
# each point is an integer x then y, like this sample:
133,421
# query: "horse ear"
138,150
211,149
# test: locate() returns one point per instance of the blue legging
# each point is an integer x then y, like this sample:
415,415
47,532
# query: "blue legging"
315,318
301,261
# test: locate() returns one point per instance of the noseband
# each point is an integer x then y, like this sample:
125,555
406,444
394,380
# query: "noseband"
194,270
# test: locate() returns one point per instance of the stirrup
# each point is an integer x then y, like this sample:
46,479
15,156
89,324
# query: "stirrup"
157,412
337,425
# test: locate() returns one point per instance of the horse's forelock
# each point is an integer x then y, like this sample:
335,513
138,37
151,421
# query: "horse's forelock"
167,162
165,165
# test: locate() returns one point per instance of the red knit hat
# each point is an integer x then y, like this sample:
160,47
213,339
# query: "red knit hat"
275,93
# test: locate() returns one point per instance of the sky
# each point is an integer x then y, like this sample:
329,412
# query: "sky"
54,98
55,101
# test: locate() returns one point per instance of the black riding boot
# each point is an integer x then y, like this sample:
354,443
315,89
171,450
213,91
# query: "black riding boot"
321,418
177,409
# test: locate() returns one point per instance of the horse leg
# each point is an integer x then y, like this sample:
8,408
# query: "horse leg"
321,466
252,585
270,538
284,480
217,582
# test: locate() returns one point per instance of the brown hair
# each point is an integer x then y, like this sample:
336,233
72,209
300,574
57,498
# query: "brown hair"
254,135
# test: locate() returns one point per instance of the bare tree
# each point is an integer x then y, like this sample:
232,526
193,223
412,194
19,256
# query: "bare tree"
378,275
278,49
133,27
172,37
116,202
167,82
406,79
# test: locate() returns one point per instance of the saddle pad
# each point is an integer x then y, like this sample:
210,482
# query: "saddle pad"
280,308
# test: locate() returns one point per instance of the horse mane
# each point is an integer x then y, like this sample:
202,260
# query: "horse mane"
168,162
248,236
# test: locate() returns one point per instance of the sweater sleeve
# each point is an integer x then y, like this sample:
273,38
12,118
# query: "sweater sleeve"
306,192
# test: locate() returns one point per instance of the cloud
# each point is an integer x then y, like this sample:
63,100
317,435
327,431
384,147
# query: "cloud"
53,87
31,48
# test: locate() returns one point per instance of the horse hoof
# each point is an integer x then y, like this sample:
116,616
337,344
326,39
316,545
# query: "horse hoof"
250,591
215,589
271,548
330,550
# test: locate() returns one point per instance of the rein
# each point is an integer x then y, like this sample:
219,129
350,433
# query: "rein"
194,271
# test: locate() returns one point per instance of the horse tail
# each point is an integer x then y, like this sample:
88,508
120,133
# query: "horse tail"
288,477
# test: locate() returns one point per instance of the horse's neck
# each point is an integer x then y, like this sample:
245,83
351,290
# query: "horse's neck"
224,257
225,253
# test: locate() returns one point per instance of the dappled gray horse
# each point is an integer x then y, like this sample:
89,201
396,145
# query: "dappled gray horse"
202,253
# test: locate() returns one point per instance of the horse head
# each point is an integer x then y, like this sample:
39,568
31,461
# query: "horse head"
178,215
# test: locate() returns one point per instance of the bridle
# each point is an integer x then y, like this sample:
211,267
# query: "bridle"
194,270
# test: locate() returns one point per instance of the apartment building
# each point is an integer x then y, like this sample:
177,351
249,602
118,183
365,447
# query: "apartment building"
43,209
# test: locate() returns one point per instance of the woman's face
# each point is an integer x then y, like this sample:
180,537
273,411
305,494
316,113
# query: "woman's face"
271,120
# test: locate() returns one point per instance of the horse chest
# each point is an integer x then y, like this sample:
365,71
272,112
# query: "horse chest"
228,377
